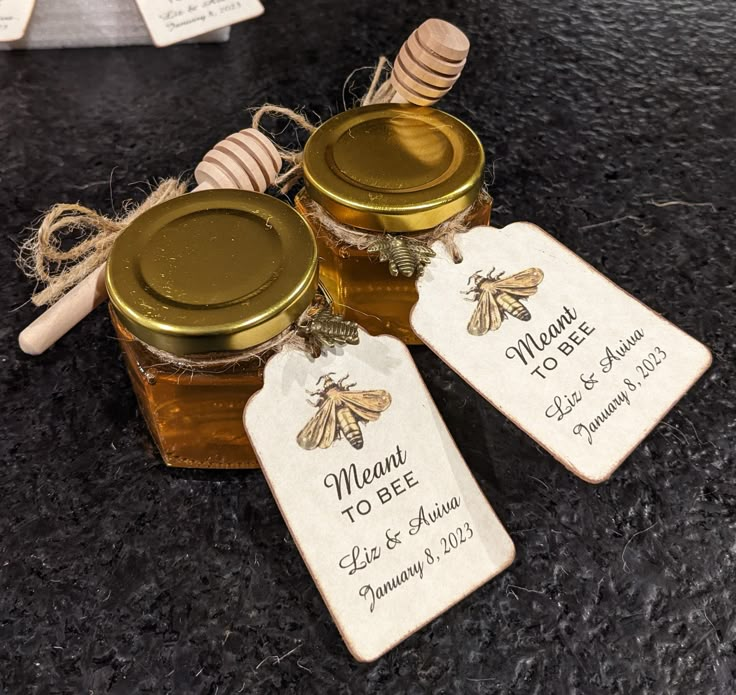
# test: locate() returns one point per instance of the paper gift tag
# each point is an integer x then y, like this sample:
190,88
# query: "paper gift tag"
580,365
171,21
381,505
14,18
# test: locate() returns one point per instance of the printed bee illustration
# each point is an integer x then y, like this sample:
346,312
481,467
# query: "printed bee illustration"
498,296
405,256
324,329
340,412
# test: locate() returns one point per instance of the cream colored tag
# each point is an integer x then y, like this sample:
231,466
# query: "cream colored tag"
171,21
580,365
14,18
381,505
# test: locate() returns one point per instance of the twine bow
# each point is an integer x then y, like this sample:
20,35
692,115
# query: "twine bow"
42,258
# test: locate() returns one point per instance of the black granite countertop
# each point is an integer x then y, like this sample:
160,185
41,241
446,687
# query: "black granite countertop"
118,575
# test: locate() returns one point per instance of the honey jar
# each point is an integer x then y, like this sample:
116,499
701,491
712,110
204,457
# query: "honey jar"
387,177
200,287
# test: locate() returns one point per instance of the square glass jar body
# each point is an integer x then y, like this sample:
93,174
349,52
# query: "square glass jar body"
195,416
361,287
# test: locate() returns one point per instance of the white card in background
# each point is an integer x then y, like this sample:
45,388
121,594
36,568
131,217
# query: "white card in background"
171,21
394,532
583,367
14,18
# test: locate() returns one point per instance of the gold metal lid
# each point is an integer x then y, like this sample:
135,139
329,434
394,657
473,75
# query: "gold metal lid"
393,167
213,270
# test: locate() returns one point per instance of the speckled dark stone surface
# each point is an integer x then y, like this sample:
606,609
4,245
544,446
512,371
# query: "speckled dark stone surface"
120,576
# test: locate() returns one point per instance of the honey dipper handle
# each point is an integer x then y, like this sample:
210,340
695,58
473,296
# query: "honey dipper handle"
65,314
247,160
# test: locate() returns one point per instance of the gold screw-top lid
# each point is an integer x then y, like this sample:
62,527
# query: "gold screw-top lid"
213,270
393,167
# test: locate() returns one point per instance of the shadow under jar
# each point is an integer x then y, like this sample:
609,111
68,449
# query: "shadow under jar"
201,287
388,169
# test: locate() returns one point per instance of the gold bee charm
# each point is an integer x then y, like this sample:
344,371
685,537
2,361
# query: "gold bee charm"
325,329
405,256
340,412
498,297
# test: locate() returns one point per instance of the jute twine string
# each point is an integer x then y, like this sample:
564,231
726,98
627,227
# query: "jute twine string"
215,362
379,92
356,238
294,158
42,258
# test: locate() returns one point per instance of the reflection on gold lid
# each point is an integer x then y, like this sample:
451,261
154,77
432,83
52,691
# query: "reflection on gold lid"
393,167
213,270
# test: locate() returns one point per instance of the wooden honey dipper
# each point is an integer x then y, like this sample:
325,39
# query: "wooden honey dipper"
247,160
429,63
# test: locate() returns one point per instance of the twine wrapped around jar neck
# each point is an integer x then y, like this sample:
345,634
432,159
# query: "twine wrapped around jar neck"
315,328
290,338
353,237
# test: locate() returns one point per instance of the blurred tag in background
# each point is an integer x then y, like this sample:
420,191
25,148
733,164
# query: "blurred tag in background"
89,23
171,21
14,16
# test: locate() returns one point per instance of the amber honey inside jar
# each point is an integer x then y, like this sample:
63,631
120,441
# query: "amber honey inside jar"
388,169
200,287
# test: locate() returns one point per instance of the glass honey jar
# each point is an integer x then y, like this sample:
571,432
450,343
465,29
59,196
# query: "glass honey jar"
200,287
388,171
